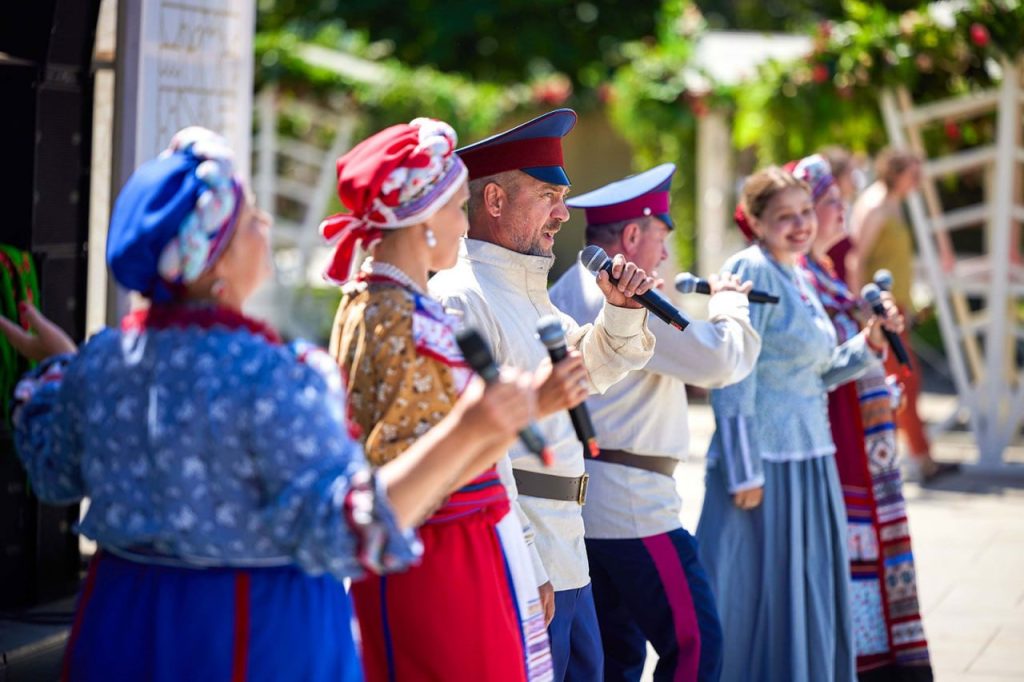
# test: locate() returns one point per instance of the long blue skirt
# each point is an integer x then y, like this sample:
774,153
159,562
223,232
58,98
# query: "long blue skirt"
780,575
140,621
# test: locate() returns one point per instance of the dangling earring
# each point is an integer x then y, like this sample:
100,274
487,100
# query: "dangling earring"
431,239
217,288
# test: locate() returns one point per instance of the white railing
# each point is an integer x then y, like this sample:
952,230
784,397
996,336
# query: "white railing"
981,345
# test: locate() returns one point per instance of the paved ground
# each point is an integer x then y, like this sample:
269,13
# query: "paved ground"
968,534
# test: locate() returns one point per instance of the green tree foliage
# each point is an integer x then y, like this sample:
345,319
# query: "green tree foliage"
831,96
508,41
655,100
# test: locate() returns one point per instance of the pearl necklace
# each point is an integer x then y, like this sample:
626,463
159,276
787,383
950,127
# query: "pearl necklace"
374,267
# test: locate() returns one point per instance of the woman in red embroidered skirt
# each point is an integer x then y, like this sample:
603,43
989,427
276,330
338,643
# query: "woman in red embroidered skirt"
470,610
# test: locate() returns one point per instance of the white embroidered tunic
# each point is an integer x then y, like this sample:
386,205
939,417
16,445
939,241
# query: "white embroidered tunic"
503,294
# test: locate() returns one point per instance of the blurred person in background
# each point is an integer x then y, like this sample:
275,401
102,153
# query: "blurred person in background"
888,633
881,239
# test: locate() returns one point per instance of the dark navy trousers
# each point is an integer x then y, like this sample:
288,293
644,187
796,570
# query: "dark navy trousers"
655,590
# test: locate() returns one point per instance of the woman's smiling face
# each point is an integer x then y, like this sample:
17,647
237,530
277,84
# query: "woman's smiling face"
787,225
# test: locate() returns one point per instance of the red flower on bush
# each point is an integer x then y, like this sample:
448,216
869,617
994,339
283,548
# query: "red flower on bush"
699,107
552,91
819,74
979,35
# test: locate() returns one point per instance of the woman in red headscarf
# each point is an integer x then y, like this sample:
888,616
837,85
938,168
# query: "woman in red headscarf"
461,614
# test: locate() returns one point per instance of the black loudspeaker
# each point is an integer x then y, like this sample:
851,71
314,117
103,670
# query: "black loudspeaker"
46,85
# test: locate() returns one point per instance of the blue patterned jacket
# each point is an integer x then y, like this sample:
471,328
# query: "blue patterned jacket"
200,439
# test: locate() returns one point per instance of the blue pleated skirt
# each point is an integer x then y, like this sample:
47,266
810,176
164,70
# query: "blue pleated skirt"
780,575
138,621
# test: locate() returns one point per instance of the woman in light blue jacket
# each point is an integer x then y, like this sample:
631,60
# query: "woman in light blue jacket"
772,530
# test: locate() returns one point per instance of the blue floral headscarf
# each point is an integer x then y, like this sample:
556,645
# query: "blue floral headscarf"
174,216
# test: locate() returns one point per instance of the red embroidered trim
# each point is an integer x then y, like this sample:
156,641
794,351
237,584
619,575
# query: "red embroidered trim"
240,646
176,316
648,204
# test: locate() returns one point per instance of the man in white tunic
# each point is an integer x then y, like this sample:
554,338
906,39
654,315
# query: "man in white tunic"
648,583
517,191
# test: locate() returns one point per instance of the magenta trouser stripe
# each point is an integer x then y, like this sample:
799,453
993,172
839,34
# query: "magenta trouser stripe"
677,589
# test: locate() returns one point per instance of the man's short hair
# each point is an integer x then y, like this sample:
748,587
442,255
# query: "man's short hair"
507,180
605,234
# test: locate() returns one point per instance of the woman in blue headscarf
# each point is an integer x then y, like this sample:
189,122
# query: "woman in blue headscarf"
226,496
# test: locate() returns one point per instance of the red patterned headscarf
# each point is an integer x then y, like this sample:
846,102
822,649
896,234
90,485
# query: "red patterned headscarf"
742,222
399,177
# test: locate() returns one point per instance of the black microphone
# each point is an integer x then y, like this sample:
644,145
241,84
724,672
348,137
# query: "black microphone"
688,283
883,279
595,259
873,296
478,356
549,329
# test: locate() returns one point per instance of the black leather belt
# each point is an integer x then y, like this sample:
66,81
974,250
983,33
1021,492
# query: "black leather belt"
656,463
550,487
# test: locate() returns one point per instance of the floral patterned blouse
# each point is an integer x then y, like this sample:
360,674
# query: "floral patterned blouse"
402,367
404,371
201,440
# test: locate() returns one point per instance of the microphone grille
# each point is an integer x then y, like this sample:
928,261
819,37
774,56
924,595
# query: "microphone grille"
550,331
686,282
883,278
593,257
871,293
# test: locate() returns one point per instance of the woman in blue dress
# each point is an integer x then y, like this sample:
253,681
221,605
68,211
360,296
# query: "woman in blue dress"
227,498
772,530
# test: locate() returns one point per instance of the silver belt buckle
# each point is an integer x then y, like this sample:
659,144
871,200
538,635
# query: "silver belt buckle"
581,497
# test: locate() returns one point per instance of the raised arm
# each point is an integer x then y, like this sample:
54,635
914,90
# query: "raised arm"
715,353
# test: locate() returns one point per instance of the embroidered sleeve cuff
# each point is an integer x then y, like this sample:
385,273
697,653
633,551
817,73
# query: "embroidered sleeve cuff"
381,547
42,381
749,485
740,454
624,322
729,304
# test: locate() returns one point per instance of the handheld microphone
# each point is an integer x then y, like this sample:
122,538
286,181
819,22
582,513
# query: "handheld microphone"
478,356
873,296
595,259
549,329
688,283
883,279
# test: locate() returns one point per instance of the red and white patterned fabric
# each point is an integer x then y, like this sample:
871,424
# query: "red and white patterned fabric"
399,177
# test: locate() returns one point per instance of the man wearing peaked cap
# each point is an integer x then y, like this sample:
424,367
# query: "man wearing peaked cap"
648,583
516,206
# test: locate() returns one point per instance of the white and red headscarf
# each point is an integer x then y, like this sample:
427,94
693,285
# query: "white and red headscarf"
399,177
815,171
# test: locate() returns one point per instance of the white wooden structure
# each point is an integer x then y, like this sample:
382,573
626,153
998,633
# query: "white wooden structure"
981,345
294,178
728,57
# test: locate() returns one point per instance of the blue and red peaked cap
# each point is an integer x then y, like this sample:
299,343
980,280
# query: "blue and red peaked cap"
535,147
638,196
